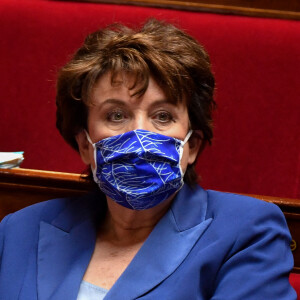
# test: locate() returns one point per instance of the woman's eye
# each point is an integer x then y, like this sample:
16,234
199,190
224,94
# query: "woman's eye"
163,117
116,116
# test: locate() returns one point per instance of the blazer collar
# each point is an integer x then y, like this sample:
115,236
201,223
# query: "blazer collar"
66,245
166,247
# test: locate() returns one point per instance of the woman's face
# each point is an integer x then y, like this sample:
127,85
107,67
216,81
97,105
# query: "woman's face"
114,111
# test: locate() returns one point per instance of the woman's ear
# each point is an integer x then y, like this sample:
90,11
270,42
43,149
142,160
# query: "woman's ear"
195,146
84,147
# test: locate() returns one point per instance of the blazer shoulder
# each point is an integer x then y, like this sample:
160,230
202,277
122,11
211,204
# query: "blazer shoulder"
30,216
255,239
46,209
239,204
239,210
49,211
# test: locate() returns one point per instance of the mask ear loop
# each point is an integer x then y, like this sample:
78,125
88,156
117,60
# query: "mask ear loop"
88,137
187,137
94,170
181,151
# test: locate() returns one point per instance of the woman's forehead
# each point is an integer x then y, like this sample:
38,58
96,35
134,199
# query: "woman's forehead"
124,85
119,79
109,85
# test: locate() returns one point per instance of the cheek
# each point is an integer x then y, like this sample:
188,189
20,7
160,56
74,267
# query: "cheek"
185,157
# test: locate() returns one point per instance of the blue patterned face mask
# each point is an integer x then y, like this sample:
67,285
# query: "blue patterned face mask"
139,169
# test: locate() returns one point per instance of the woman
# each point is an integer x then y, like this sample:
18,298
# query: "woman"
137,105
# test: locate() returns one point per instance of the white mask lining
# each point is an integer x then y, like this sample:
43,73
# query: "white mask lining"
94,170
181,151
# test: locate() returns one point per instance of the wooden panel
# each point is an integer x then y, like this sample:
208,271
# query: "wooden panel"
22,187
264,8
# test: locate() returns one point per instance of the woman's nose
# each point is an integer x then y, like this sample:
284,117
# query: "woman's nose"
140,122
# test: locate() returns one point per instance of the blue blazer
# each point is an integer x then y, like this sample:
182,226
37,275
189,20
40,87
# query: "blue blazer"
209,245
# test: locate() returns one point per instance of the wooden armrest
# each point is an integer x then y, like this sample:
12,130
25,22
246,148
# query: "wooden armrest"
22,187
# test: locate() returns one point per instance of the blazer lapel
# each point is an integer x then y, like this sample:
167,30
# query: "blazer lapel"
64,251
166,247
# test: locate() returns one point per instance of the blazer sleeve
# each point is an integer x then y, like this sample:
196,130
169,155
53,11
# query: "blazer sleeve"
260,260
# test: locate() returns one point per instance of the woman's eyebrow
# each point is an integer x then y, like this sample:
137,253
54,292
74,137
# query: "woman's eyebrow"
119,102
162,102
114,101
111,101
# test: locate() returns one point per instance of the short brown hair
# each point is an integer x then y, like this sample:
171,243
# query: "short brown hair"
177,62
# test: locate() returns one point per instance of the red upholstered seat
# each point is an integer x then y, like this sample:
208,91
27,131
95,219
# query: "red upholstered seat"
295,282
